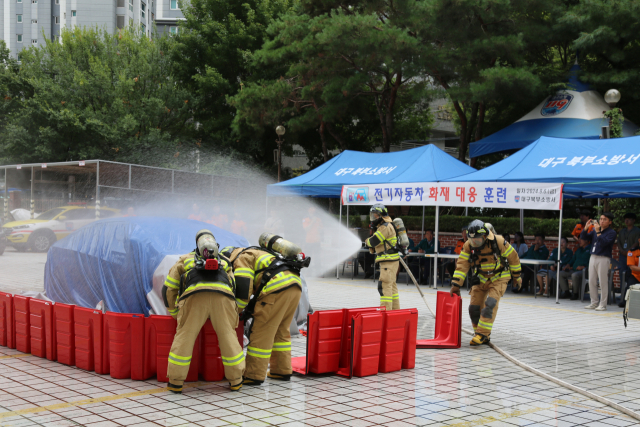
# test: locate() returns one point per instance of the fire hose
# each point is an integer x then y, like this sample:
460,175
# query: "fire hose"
531,369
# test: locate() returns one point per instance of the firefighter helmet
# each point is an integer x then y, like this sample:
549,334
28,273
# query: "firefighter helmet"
206,245
477,233
377,211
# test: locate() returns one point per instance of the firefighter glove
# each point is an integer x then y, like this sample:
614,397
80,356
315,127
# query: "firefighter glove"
454,290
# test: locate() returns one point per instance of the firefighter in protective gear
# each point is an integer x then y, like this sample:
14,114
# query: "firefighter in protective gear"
384,244
276,290
201,286
493,262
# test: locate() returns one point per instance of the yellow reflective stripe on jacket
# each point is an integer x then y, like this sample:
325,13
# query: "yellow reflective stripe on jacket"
172,283
387,257
258,352
282,279
172,311
179,360
515,268
241,303
281,346
379,235
244,272
465,256
459,275
189,263
482,278
505,274
208,285
508,251
263,261
233,361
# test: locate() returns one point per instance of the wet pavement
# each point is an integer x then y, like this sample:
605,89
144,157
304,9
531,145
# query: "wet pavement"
458,387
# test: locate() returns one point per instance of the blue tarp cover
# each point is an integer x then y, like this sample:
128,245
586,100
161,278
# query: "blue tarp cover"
114,260
422,164
588,167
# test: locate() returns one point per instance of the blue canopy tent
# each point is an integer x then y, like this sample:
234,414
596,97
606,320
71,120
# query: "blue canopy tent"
427,163
573,113
587,168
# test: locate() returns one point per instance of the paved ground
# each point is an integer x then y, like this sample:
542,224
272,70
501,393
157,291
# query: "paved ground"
465,387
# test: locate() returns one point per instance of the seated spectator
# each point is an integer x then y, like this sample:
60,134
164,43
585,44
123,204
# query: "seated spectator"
451,266
585,217
565,257
519,244
427,246
409,260
633,262
537,251
507,238
575,270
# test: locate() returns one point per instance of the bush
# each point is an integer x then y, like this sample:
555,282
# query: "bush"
451,223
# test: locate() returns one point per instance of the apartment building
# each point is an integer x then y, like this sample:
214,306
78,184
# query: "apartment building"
27,23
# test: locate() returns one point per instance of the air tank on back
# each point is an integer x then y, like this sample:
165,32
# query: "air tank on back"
403,240
280,245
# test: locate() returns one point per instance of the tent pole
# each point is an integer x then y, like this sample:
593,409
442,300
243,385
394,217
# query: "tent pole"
33,177
422,233
559,238
435,251
339,225
522,221
6,196
347,217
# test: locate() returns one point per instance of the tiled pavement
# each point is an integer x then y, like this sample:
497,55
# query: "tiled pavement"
465,387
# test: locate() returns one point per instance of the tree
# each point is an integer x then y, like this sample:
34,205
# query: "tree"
213,56
609,46
477,52
95,95
341,58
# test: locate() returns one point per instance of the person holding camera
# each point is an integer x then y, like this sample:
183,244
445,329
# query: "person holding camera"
602,238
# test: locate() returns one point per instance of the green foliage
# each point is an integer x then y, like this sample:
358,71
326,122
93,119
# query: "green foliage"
620,207
94,95
615,119
213,57
609,46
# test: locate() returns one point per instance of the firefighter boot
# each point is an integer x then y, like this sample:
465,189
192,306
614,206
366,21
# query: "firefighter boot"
479,339
279,377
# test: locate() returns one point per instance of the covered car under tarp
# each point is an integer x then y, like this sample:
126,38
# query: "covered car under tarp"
122,261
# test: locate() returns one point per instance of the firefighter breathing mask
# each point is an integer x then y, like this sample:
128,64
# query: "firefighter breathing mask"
477,234
206,250
376,213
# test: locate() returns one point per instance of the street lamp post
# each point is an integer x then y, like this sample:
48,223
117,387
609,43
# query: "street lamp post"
280,130
611,97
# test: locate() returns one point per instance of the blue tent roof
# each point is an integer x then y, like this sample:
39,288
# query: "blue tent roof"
572,113
587,168
427,163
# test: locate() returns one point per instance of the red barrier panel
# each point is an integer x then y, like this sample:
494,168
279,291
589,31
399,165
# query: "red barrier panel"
64,336
124,346
367,336
398,349
448,323
41,329
159,333
348,314
88,339
21,323
7,331
211,368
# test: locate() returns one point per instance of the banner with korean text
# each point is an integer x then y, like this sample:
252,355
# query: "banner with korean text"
511,195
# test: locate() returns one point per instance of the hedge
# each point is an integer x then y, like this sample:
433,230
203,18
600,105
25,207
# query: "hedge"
451,223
